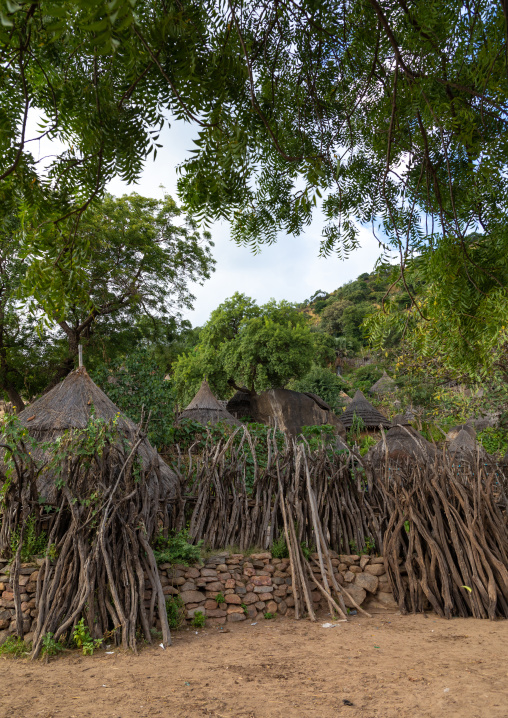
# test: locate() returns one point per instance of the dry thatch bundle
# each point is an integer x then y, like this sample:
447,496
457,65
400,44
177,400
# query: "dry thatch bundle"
400,444
109,492
69,405
363,409
205,408
384,385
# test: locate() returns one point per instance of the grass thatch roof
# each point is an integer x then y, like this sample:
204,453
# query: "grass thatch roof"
465,449
69,405
205,408
384,385
403,443
363,409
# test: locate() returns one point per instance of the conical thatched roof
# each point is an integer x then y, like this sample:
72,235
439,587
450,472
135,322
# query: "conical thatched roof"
206,409
363,409
465,449
403,443
345,398
455,431
384,385
69,406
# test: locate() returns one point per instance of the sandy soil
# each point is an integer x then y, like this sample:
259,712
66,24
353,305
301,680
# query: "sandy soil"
390,666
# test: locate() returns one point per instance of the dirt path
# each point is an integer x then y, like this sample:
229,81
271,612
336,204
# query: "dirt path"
390,666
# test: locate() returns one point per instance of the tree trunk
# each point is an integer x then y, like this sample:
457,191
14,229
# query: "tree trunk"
14,398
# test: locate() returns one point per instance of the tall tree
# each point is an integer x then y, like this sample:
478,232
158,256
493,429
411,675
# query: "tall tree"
142,254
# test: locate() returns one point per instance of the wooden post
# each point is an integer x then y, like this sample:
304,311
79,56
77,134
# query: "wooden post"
80,355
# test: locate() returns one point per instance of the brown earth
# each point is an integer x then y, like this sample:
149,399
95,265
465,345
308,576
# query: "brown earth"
389,666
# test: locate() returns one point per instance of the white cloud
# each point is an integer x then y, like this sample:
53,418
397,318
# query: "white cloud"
290,269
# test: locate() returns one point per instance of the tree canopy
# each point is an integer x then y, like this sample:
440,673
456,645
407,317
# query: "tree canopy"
249,347
384,112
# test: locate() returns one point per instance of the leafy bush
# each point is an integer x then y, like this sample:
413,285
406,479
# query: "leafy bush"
175,611
199,620
33,545
324,383
493,440
319,436
279,548
269,615
177,549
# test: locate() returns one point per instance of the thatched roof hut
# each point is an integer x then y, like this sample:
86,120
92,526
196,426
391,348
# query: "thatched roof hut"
455,431
364,410
384,385
69,405
205,408
402,443
345,398
239,406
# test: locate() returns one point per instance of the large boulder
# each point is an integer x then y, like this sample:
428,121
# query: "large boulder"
289,410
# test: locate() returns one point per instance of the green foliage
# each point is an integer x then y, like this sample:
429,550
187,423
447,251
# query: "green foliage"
323,382
319,436
279,547
14,647
175,611
368,548
494,441
177,549
199,620
269,615
244,607
136,384
50,647
356,428
364,377
365,443
33,544
220,598
246,345
83,640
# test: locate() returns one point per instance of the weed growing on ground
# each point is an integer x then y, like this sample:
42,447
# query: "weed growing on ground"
50,647
84,640
15,648
269,615
279,548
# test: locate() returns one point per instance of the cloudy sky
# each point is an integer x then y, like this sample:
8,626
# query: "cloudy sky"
290,269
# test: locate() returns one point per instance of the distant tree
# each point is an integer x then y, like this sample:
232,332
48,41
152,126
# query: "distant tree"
248,347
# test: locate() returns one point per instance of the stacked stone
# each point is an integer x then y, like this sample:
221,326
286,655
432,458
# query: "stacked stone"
27,582
235,587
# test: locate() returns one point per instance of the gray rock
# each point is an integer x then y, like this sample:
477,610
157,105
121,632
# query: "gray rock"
263,589
193,611
357,593
192,596
367,581
375,569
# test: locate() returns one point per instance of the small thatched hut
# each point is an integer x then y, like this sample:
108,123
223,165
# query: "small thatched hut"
465,450
455,431
69,405
205,408
364,410
402,443
384,385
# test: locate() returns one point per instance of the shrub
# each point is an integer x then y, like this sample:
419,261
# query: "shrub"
50,647
33,545
177,549
175,611
279,548
199,620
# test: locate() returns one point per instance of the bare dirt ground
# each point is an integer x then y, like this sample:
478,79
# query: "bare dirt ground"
389,666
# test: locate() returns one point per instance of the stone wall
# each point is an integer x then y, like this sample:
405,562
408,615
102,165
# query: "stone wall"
247,588
250,586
